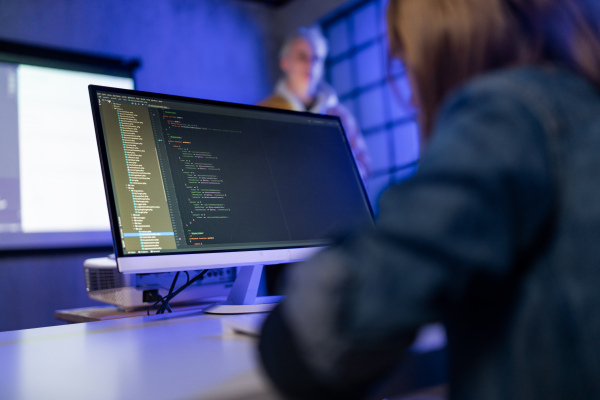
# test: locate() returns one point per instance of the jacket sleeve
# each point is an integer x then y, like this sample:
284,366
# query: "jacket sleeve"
453,231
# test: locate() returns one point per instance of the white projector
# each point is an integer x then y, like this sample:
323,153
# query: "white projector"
106,284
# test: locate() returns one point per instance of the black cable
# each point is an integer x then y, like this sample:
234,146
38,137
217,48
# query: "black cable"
173,284
153,305
162,299
168,298
165,300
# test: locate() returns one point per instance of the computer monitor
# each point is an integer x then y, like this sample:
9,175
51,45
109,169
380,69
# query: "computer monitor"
197,184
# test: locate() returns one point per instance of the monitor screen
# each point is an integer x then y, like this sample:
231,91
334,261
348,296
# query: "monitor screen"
51,190
194,183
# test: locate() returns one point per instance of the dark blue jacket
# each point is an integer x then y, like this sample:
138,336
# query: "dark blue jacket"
497,236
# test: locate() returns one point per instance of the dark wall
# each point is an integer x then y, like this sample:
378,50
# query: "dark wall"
33,284
199,48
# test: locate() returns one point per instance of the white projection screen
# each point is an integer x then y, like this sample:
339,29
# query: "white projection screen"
51,188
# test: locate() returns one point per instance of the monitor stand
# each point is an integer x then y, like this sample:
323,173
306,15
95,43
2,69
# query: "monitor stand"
243,297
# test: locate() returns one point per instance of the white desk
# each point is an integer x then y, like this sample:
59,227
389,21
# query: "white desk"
182,356
185,355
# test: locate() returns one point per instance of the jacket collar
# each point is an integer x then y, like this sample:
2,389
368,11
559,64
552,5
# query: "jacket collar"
325,98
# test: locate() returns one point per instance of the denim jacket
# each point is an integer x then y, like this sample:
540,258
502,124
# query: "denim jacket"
497,236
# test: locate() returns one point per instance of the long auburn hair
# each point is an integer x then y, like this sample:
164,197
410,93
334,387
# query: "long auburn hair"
444,43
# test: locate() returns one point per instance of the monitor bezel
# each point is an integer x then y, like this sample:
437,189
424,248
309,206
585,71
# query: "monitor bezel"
185,260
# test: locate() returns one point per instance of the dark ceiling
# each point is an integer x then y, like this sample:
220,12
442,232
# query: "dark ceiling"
271,3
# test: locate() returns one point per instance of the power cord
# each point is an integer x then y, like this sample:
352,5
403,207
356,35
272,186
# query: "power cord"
166,299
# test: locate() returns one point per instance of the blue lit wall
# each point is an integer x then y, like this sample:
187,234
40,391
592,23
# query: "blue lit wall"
200,48
357,67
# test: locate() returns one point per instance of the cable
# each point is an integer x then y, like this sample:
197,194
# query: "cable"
169,297
153,305
173,284
162,299
165,300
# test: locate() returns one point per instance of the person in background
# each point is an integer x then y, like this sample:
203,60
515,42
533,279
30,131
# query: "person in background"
302,60
496,236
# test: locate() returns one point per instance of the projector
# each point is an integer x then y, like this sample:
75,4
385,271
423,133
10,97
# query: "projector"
106,284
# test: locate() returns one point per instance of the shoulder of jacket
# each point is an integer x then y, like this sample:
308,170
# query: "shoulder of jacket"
532,84
275,101
545,91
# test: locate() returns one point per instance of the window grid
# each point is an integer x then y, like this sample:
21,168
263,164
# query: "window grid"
399,130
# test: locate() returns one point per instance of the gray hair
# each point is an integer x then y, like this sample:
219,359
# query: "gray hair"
311,34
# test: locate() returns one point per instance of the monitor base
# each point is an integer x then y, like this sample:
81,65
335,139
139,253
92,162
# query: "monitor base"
225,308
243,297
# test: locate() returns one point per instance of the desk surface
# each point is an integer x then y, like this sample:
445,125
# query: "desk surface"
106,312
184,355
